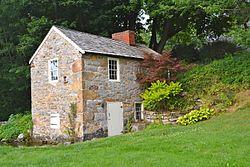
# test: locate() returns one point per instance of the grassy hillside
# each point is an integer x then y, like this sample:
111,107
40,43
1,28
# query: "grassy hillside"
221,141
217,83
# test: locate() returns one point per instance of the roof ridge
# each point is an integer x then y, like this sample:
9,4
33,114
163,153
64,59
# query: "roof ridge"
90,43
90,34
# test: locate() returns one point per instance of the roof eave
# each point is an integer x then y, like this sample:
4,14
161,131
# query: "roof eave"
113,54
54,28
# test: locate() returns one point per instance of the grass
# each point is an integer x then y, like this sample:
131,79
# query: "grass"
221,141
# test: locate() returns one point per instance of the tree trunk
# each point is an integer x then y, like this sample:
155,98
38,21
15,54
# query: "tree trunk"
55,9
153,40
132,21
168,32
164,37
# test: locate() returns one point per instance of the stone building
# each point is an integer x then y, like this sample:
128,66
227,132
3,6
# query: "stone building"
84,84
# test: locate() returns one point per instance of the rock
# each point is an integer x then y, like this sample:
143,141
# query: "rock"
4,140
20,137
196,107
67,143
184,94
138,126
173,119
135,128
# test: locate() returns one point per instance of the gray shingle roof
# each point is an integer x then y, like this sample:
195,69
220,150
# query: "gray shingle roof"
97,44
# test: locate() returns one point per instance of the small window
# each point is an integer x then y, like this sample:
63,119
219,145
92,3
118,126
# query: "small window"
53,70
113,67
138,111
54,121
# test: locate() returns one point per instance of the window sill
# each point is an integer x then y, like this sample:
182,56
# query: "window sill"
114,80
53,82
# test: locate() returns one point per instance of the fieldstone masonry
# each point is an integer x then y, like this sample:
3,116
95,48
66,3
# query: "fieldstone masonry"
49,98
83,79
98,90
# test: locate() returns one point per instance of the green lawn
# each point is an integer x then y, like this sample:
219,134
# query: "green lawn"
221,141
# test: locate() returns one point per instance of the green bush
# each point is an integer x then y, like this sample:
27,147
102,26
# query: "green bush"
162,96
16,125
195,116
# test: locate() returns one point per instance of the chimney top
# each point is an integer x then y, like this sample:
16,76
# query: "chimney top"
125,36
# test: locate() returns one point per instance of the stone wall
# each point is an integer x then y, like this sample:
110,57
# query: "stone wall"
49,98
165,117
83,79
98,90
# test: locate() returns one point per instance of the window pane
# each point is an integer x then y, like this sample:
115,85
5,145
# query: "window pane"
138,111
53,70
113,69
138,116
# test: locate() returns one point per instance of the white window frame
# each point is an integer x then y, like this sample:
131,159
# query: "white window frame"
118,70
54,121
49,70
142,109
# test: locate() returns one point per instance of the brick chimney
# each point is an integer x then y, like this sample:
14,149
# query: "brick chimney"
125,36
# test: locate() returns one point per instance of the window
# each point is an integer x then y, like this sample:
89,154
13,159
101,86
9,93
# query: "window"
113,67
54,121
138,111
53,70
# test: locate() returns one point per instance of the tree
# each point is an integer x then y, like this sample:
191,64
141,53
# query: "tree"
210,18
25,23
126,14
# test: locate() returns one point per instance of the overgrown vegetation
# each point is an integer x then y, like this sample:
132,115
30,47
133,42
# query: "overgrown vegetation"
195,116
216,84
16,125
71,131
222,141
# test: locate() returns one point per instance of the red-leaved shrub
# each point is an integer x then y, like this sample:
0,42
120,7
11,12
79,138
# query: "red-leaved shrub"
162,67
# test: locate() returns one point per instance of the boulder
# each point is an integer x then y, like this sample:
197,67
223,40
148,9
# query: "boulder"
20,137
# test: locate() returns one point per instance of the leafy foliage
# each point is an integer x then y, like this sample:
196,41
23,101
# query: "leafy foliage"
161,96
207,53
217,83
240,36
16,125
24,24
161,67
195,116
191,21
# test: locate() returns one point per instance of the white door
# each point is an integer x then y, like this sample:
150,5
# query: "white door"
115,118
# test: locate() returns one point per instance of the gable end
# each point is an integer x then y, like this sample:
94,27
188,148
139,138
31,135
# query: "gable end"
62,35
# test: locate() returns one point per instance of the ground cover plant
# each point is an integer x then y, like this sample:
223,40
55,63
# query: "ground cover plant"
195,116
221,141
215,85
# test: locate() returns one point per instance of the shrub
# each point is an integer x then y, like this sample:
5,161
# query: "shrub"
162,68
16,125
195,116
161,96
